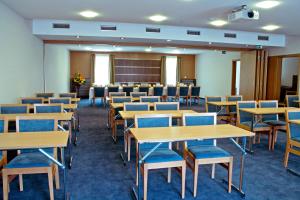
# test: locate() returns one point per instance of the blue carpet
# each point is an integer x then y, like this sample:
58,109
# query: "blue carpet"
98,172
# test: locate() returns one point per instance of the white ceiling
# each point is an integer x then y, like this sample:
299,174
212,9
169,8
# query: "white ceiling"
193,13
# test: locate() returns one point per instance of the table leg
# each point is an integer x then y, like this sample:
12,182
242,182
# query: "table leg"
250,149
123,157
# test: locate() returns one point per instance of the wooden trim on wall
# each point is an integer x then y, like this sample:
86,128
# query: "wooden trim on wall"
233,78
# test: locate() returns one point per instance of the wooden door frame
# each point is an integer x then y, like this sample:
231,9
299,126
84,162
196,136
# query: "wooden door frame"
233,77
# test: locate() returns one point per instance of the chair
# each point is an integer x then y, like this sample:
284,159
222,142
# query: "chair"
171,93
244,121
117,94
221,114
127,137
158,91
99,92
232,109
195,94
290,101
70,94
144,89
272,119
184,93
150,99
32,100
117,119
3,129
48,108
137,94
293,135
14,108
31,161
163,156
112,89
128,90
205,151
166,106
45,95
65,100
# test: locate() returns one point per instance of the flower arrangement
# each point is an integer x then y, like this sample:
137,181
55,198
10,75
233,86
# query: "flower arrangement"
79,79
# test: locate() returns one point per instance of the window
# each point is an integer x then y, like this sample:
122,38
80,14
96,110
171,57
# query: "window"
171,70
101,71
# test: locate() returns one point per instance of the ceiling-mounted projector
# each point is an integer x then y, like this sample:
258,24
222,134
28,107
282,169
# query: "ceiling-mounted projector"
243,13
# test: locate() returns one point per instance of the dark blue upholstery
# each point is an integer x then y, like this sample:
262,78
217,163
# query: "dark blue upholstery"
158,91
275,122
31,101
127,90
210,151
1,126
121,99
144,89
117,94
113,89
293,115
150,99
212,108
183,91
245,116
136,107
295,131
269,104
13,109
256,125
171,91
166,106
195,91
99,91
232,109
138,94
44,95
160,155
29,160
64,101
291,99
70,95
199,121
48,109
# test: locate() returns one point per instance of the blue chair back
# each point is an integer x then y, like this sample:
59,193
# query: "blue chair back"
245,116
183,91
171,91
13,109
290,100
166,106
138,94
136,106
48,108
117,94
293,130
212,108
233,98
128,90
60,100
3,126
151,121
34,100
144,89
150,99
158,91
269,104
113,89
200,119
99,91
121,99
195,91
70,95
45,95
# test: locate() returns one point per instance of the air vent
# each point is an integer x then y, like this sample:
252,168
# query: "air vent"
153,30
108,28
229,35
191,32
262,37
61,26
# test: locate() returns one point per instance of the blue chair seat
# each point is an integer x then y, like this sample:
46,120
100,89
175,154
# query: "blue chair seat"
256,125
29,160
275,122
208,151
161,155
296,139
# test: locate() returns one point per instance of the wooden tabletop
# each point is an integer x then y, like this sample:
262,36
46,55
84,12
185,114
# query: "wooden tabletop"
183,133
222,103
59,116
10,141
132,99
65,106
261,111
296,121
121,105
174,113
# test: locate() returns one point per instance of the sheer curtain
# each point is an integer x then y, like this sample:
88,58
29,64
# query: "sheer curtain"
101,69
171,70
111,69
163,71
178,67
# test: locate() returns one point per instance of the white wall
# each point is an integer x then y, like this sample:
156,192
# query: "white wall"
289,68
213,72
292,47
57,68
21,58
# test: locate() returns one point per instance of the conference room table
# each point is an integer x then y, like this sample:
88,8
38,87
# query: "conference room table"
222,105
39,140
187,133
72,106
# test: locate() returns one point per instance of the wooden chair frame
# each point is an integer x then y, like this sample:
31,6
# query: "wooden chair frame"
60,98
164,103
33,98
16,105
193,163
286,99
152,97
68,93
195,97
145,167
224,118
48,105
233,116
3,161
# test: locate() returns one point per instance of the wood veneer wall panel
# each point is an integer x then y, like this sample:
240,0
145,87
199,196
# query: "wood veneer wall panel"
274,78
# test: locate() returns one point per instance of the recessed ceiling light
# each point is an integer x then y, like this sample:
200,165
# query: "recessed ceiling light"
218,22
77,36
148,49
88,48
210,43
122,38
169,40
176,51
267,4
88,14
270,27
119,49
158,18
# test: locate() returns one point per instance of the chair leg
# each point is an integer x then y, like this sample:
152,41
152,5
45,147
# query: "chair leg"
145,182
125,142
183,171
169,174
286,155
57,184
128,147
196,168
274,138
270,140
213,171
230,175
50,182
21,182
5,185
